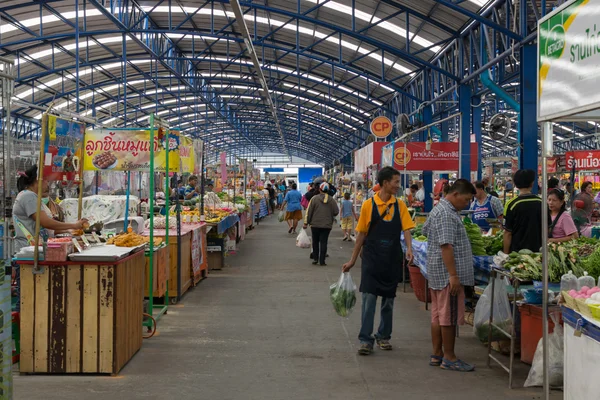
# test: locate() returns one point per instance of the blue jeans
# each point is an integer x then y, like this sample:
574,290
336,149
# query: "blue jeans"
369,305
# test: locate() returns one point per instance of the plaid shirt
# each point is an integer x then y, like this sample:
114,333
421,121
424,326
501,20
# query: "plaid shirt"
444,226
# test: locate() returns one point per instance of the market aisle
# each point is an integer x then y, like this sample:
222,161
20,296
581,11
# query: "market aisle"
263,329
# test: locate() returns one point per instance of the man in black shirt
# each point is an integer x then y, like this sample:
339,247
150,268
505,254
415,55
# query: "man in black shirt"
271,197
523,216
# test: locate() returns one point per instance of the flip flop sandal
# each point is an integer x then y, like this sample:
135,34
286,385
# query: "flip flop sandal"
458,365
435,361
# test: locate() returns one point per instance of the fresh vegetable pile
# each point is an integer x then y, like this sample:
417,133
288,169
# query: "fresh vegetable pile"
525,265
475,237
493,244
421,238
592,263
418,231
562,258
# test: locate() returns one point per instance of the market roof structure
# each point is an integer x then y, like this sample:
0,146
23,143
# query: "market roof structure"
329,67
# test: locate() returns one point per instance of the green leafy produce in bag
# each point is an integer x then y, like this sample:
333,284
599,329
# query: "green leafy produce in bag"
343,295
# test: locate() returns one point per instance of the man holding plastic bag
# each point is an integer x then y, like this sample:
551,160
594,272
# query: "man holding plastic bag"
382,220
449,270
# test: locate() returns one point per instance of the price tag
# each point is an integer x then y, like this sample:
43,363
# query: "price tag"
77,246
85,241
95,237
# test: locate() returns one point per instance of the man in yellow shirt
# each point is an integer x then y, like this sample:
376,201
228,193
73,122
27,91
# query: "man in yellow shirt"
382,219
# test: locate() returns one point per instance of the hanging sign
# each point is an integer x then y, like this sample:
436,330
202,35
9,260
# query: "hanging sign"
443,156
62,150
583,160
387,155
187,155
569,61
552,165
129,150
381,127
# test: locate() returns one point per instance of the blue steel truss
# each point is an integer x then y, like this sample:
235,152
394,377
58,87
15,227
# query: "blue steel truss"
186,62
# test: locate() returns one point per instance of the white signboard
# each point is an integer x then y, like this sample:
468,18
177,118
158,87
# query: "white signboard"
569,62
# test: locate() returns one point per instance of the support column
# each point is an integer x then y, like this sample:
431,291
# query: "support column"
476,118
464,137
528,145
427,175
444,138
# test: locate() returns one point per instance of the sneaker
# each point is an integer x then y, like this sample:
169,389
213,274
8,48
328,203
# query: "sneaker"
323,265
384,344
315,262
344,239
365,349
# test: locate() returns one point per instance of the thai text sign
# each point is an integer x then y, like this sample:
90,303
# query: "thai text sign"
62,149
569,61
187,155
129,150
443,156
583,160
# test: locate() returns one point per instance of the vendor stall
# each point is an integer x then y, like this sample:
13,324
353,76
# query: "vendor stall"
218,241
81,316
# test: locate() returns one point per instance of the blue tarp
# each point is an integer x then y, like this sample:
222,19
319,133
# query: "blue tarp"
227,223
482,265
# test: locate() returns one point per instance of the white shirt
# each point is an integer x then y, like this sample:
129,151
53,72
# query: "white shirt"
420,195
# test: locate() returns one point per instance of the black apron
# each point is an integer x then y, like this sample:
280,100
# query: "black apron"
382,254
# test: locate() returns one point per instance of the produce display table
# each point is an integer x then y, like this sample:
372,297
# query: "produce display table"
581,355
160,272
81,317
482,264
216,242
263,210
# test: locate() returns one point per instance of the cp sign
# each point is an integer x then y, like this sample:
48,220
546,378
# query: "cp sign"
381,127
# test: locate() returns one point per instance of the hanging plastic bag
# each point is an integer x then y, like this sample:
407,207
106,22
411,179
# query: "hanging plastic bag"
303,241
343,295
281,216
555,359
502,312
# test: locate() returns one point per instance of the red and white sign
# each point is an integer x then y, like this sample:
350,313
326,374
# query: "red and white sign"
381,127
552,165
583,160
443,156
367,156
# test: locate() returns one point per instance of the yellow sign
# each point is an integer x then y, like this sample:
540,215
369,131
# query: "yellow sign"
187,155
381,127
129,150
402,156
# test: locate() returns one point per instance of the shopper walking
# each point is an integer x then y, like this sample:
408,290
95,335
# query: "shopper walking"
320,214
523,216
271,194
449,270
348,216
291,203
382,219
485,207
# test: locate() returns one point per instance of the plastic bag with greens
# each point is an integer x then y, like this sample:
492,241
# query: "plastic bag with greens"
281,216
343,295
502,312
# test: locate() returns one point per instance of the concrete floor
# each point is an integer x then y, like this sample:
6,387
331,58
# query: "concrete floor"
263,329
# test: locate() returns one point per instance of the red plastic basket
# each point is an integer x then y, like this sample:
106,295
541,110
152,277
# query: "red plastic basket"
417,282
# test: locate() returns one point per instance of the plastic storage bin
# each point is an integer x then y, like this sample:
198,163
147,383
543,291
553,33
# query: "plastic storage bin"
531,330
58,251
417,282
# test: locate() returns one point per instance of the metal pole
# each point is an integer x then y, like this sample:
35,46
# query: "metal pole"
547,145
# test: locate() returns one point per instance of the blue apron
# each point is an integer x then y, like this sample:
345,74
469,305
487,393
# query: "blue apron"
382,256
482,213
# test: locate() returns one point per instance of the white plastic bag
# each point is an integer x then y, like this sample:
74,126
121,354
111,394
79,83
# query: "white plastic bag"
343,295
555,359
502,312
303,241
281,216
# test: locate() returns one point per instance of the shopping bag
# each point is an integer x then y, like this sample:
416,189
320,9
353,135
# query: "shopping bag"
502,312
303,241
281,216
343,295
555,357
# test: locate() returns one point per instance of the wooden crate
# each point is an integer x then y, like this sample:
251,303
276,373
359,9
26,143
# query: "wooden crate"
160,273
81,317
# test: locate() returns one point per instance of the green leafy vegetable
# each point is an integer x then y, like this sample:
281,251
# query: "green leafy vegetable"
343,300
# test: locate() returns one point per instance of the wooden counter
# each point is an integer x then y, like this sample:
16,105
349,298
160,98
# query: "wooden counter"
81,317
160,272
